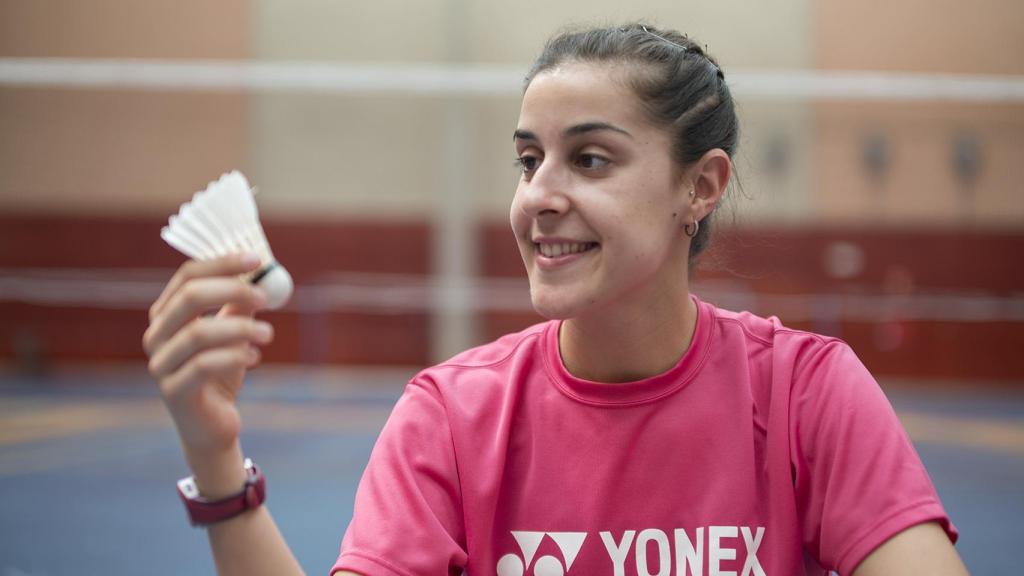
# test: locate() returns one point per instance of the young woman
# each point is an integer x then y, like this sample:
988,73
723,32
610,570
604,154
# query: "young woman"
640,430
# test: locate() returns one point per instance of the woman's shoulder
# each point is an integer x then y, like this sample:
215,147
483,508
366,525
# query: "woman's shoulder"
493,358
500,349
770,330
784,346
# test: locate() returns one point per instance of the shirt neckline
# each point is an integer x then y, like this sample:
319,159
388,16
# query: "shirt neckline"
638,391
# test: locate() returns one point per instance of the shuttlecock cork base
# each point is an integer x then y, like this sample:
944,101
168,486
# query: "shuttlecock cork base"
275,281
223,220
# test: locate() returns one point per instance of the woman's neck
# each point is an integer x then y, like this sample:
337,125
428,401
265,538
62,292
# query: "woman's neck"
626,345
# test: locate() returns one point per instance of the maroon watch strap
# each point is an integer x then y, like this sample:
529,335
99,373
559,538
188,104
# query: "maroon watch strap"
203,512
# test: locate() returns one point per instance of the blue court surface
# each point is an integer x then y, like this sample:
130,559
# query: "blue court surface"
88,463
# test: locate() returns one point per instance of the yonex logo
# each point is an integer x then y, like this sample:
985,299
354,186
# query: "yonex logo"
568,542
655,552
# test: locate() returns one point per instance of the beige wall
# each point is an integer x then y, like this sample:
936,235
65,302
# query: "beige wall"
379,31
342,156
329,156
741,33
107,152
118,29
979,37
95,151
772,165
325,156
920,186
113,153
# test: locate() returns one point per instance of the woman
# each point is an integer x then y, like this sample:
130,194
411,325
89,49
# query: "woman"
641,430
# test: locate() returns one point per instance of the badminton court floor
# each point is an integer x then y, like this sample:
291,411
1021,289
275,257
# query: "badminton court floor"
88,462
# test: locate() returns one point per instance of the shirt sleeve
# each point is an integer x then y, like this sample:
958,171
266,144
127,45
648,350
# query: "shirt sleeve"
858,479
407,518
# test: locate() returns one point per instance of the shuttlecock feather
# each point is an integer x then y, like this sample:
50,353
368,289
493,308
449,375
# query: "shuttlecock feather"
223,220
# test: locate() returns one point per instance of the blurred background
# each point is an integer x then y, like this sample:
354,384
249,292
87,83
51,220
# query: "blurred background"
878,200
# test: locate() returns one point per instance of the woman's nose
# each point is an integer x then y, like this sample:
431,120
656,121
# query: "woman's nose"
546,192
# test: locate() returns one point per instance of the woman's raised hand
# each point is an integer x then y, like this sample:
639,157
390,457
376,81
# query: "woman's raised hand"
200,359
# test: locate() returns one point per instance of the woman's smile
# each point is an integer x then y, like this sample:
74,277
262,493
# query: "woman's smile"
556,253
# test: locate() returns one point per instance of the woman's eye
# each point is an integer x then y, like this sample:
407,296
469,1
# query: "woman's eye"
591,161
527,164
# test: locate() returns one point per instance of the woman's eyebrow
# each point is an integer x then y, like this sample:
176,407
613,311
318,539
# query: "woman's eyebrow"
523,135
593,126
572,131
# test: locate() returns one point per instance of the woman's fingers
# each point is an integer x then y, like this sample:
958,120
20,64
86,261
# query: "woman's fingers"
199,359
194,298
207,333
241,308
231,265
209,367
201,395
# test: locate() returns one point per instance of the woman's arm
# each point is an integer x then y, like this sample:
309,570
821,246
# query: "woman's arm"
249,543
200,362
921,549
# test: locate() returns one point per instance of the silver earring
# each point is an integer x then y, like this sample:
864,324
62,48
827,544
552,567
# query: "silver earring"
687,229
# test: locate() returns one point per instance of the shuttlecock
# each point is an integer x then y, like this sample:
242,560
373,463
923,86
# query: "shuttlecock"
223,220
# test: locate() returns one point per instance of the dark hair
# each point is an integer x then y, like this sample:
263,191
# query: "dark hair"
678,83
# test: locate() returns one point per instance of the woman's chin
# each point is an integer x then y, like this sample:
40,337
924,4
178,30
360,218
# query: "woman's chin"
556,306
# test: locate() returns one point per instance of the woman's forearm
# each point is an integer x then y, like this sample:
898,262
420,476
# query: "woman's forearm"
251,544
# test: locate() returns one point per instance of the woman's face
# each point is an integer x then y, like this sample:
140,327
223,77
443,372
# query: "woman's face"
600,206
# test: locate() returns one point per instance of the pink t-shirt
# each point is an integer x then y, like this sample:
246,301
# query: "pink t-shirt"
764,451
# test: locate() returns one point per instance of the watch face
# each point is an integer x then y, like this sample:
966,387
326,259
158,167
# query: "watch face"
188,489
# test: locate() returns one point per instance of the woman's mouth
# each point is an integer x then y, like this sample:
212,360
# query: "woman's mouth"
564,248
555,254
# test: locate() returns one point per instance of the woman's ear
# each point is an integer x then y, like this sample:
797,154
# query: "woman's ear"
710,176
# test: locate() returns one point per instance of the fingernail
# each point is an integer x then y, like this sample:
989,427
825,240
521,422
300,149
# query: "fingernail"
250,260
263,331
253,355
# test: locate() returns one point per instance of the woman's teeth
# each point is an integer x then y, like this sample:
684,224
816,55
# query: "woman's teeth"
556,250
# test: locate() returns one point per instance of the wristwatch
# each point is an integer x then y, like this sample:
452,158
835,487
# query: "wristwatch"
203,512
